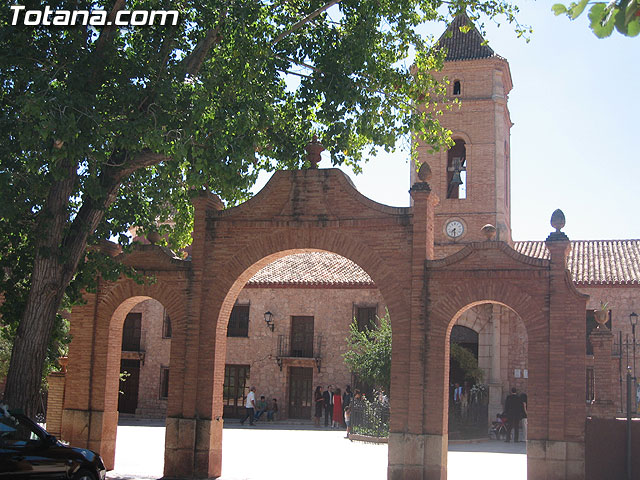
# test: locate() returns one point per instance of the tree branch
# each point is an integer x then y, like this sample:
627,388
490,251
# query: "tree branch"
304,21
194,61
93,208
110,28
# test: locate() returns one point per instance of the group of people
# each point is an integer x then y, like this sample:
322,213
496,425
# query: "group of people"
255,409
335,405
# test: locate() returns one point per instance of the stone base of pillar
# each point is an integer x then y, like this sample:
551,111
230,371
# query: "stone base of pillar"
92,429
555,460
417,457
193,448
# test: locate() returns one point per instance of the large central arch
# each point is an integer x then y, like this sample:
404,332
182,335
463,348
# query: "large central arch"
320,210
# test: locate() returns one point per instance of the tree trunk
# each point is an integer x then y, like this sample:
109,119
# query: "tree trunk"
59,250
24,378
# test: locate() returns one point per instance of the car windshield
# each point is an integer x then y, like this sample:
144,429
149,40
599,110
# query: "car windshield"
16,432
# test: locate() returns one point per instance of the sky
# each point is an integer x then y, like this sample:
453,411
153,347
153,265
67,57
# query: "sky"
572,143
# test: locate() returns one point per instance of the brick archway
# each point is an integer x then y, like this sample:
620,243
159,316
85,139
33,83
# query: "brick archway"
90,415
313,210
502,342
321,210
531,288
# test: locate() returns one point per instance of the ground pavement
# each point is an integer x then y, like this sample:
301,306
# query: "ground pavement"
290,452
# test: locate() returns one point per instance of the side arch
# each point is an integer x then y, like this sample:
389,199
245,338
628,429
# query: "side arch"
90,416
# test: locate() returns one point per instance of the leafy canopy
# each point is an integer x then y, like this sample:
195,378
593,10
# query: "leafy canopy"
368,353
623,15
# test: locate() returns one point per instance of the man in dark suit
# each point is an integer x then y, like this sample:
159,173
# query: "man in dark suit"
327,395
514,411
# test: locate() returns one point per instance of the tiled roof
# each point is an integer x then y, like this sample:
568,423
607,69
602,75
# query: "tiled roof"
591,262
596,262
312,268
464,46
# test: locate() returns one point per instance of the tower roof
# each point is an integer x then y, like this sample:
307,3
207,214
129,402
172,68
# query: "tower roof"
464,46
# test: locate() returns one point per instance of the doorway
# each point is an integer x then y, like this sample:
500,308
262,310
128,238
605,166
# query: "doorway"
234,392
300,389
129,381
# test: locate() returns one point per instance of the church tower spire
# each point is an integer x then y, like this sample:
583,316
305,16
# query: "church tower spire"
472,179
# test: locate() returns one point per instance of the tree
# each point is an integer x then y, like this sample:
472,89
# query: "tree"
369,352
466,362
623,15
103,129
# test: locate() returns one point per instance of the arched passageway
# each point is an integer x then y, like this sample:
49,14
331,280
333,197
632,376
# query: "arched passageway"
497,337
320,210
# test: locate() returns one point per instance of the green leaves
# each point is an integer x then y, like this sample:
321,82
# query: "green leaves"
623,15
369,352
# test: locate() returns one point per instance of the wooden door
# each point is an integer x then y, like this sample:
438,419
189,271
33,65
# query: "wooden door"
302,337
300,392
128,396
234,392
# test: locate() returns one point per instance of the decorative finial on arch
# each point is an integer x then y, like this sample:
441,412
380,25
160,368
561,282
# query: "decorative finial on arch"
557,220
488,231
424,172
314,148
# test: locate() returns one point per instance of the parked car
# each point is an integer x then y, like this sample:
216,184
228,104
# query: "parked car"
28,452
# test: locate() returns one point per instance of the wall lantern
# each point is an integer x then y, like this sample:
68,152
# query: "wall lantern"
633,320
268,319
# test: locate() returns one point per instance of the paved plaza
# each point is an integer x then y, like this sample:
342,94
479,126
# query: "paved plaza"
291,452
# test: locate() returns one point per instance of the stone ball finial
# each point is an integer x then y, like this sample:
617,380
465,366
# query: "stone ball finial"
314,148
488,231
424,172
558,220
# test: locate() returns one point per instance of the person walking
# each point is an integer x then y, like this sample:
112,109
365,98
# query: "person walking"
249,406
513,410
319,403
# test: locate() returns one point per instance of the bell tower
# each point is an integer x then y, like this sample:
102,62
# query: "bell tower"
472,179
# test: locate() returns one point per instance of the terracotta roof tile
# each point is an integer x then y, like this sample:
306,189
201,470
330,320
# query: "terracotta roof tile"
591,262
312,268
595,262
464,46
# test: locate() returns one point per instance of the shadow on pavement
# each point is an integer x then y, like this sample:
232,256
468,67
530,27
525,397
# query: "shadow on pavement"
231,424
492,446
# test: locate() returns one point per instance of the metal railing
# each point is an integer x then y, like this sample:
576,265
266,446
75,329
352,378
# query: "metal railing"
370,418
301,346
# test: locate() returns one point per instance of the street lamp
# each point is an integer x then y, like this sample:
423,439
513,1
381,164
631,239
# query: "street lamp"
268,319
633,320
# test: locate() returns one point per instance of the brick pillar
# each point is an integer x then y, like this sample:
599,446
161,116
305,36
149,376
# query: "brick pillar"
193,441
85,420
55,402
556,450
603,405
419,452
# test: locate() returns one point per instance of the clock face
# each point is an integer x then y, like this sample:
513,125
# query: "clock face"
455,228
